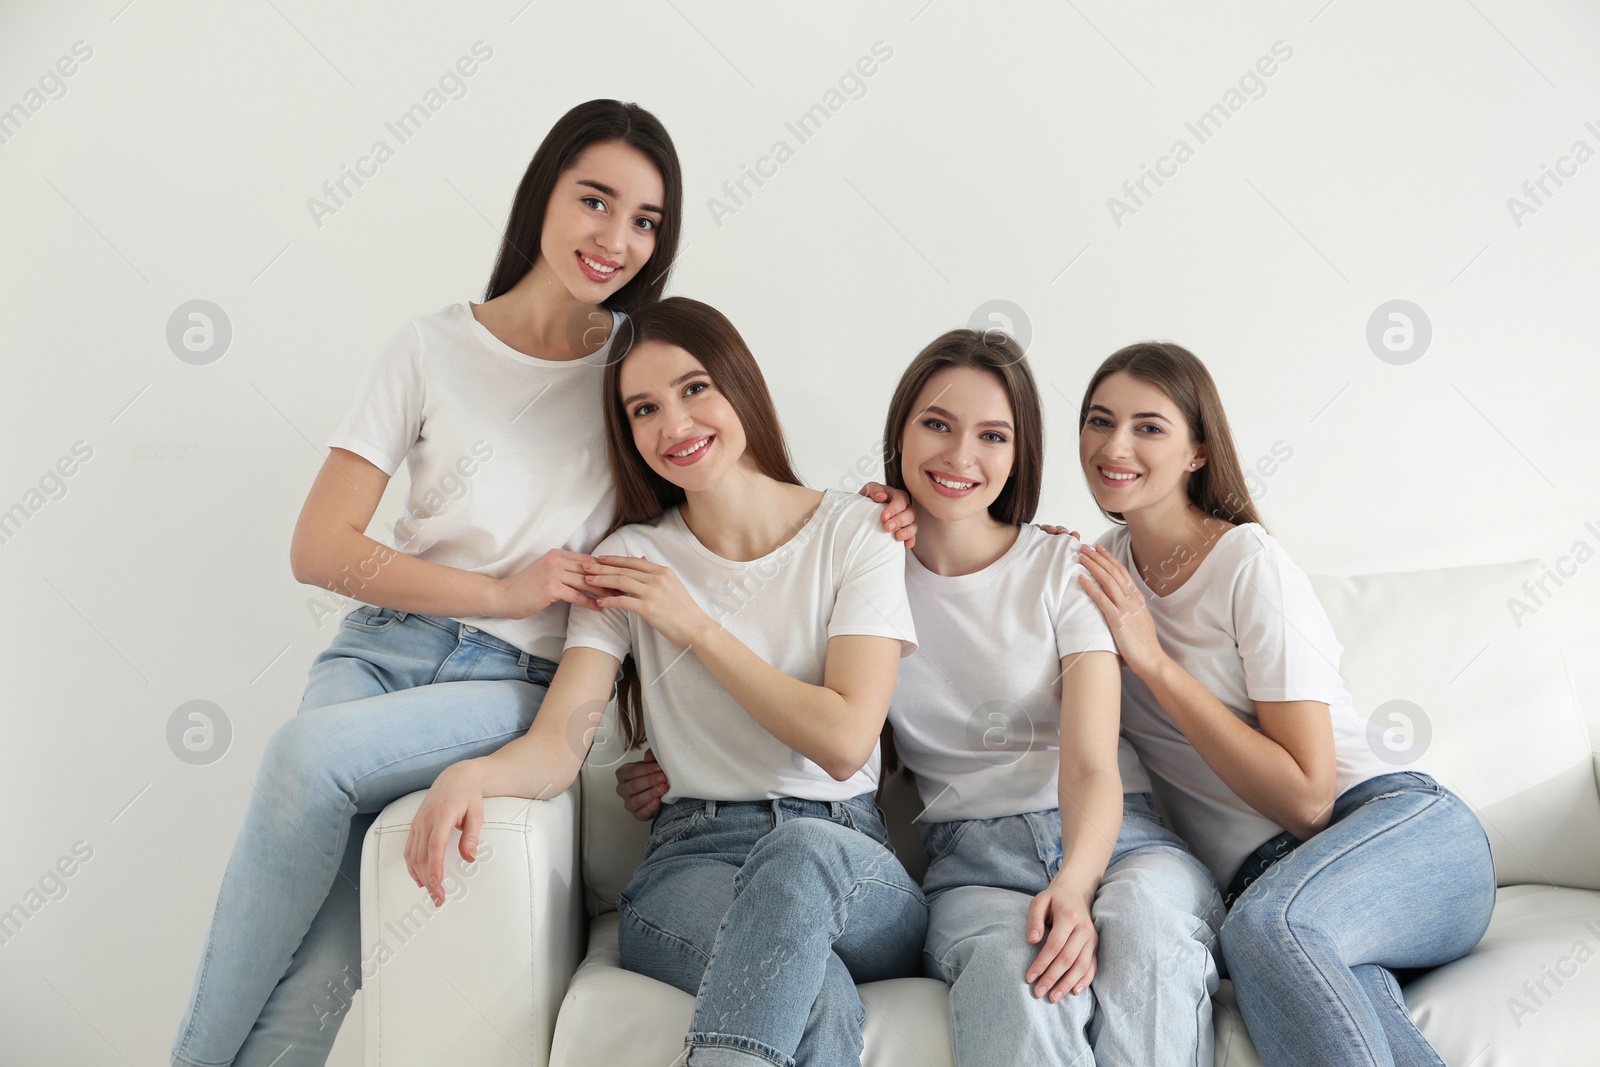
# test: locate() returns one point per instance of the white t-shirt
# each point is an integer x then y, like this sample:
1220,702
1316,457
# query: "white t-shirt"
840,574
506,452
977,710
1247,626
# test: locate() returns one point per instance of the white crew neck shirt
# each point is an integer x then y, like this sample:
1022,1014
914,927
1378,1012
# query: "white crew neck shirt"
1247,626
506,453
840,574
977,710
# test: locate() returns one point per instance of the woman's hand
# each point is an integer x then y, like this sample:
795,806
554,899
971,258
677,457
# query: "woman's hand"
1057,530
456,800
899,517
1066,960
650,591
556,575
641,785
1123,605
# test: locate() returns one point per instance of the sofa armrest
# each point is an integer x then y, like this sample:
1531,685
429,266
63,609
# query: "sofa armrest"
480,979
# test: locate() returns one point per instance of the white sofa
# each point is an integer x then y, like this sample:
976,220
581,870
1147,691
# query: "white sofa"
521,966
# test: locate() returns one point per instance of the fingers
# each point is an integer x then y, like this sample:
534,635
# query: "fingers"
1100,556
574,589
641,785
1108,580
1076,960
1065,959
433,863
471,829
643,806
626,603
631,563
417,844
631,773
1038,915
621,581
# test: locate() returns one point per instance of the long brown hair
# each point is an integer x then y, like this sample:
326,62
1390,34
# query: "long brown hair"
587,124
1218,487
995,352
642,494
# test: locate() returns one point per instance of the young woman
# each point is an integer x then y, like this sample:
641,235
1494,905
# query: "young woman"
760,624
1338,868
1046,865
492,407
1008,717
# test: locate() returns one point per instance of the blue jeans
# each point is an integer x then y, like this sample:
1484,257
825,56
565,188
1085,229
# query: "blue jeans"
1400,878
393,701
1156,914
769,912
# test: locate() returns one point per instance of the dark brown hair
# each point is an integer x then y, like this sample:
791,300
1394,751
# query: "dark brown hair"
642,494
995,352
1218,488
584,125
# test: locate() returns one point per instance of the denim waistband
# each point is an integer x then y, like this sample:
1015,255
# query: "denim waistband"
791,807
464,632
1260,861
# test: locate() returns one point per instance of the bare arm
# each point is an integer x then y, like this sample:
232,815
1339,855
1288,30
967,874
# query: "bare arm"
1286,771
834,724
1090,790
540,764
331,549
1091,783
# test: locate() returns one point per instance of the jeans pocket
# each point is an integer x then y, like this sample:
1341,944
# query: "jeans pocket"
866,819
1046,829
673,825
370,619
942,837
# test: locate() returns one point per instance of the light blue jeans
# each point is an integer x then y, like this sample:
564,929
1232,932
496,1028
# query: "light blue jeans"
1400,878
1156,914
769,912
393,701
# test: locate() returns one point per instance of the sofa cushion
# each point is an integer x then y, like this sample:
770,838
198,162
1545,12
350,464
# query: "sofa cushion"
1525,995
908,1019
1487,699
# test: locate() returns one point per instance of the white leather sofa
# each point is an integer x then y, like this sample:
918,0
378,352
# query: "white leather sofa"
520,967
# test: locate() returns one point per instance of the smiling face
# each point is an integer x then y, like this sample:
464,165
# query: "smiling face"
957,446
600,222
1135,446
683,425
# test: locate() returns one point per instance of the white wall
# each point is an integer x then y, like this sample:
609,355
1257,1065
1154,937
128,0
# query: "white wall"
977,165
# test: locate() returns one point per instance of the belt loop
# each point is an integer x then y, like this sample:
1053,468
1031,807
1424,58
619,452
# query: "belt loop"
836,807
711,809
522,661
401,615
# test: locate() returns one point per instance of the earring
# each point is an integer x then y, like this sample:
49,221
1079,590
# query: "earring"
1191,466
